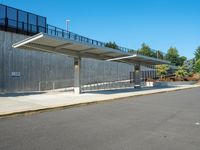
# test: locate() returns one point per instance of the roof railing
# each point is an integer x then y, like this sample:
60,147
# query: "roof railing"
55,31
30,29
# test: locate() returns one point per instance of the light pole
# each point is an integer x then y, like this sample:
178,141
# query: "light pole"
67,24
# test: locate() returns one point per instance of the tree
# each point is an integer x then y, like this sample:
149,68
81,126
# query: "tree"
159,55
146,50
181,72
173,56
190,64
112,45
197,66
197,53
132,51
162,70
182,59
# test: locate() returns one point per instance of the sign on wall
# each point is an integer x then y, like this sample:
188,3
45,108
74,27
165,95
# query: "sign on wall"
15,74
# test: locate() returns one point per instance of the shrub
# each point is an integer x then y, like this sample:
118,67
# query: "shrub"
197,66
181,72
162,70
112,45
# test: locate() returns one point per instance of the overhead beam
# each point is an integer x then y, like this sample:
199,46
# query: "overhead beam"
77,54
28,40
87,50
102,54
120,58
92,51
40,48
63,45
64,51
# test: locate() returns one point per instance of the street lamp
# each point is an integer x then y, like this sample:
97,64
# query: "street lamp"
67,24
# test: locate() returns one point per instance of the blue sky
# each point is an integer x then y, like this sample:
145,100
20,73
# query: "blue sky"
158,23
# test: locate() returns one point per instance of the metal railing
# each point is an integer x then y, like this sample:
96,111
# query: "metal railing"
67,85
96,84
20,27
30,29
56,84
58,32
110,85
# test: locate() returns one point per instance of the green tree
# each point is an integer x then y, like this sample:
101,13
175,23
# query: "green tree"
190,65
197,66
159,55
146,50
132,51
112,45
173,56
197,53
162,70
182,59
181,72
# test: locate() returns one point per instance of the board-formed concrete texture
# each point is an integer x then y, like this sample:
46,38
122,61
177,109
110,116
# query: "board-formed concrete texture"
80,49
35,66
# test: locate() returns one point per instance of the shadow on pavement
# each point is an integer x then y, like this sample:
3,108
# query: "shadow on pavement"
116,91
20,94
108,92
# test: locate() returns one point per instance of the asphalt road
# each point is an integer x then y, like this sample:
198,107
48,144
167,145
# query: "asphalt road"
166,121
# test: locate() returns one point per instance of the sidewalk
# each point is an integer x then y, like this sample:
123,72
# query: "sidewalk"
11,104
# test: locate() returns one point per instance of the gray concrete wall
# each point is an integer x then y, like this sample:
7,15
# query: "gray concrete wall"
171,84
33,66
46,67
101,71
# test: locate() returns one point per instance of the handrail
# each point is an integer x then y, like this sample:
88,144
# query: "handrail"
30,29
55,31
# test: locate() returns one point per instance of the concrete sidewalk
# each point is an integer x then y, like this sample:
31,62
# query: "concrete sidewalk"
11,104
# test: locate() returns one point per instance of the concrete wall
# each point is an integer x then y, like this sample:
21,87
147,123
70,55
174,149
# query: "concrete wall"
35,67
171,84
101,71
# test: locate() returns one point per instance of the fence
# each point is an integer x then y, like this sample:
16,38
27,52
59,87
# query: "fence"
118,82
15,20
55,31
20,27
56,84
31,29
97,84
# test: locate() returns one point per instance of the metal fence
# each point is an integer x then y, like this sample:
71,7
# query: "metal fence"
97,84
19,21
56,84
20,27
15,20
58,32
31,29
118,82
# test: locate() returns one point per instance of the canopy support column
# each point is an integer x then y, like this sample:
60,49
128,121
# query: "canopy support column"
137,75
77,75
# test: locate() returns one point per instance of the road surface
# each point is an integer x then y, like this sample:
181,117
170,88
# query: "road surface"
165,121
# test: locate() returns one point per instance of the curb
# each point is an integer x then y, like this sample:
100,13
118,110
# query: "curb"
48,109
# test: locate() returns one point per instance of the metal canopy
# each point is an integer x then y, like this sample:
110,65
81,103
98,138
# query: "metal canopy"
53,44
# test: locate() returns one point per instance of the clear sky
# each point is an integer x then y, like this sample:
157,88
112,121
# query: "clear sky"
158,23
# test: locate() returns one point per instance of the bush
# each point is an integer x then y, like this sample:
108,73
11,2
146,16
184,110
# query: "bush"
162,70
112,45
181,72
196,76
197,66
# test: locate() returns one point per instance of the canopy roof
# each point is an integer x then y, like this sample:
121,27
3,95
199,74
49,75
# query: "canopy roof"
54,44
